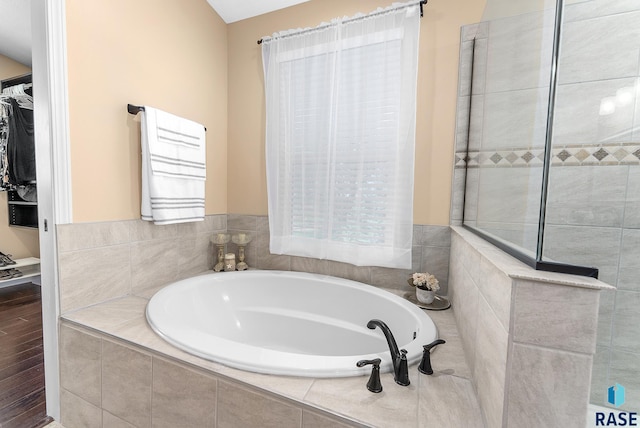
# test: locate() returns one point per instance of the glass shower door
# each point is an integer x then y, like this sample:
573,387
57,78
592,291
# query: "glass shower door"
508,99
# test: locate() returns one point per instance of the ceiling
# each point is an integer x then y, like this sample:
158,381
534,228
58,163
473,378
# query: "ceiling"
237,10
15,30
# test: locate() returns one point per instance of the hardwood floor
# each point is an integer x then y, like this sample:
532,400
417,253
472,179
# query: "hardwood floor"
22,399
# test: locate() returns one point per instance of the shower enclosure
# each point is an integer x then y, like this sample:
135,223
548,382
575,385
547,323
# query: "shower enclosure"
548,154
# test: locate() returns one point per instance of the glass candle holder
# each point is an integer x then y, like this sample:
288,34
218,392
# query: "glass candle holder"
241,240
220,240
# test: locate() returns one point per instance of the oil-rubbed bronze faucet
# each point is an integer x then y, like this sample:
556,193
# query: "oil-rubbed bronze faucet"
398,357
374,384
425,364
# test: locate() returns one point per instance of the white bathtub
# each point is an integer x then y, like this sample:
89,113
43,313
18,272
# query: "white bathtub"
286,323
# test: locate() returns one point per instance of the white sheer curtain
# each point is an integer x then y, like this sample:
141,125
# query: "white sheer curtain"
340,137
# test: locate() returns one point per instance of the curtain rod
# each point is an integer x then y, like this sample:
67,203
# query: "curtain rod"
308,30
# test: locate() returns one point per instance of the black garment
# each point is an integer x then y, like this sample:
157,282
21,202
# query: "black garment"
4,135
21,146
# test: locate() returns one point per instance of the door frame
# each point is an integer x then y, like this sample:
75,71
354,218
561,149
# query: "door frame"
49,71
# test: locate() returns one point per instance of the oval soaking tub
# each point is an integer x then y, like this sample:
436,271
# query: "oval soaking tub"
286,323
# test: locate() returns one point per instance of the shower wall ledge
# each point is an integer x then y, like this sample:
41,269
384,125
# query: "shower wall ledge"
517,270
529,336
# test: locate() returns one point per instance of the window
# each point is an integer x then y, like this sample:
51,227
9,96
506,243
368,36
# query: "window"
340,139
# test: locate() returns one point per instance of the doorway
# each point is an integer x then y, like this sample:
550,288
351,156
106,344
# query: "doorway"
22,380
48,53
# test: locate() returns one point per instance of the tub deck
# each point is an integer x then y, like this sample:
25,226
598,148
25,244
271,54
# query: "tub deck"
446,399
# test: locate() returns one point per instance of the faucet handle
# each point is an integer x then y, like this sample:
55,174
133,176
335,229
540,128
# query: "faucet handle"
402,377
374,384
425,364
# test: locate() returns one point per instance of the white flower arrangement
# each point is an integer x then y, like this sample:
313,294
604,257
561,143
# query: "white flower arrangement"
425,281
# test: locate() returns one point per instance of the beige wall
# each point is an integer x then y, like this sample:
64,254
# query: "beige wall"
10,68
19,242
437,90
168,54
177,56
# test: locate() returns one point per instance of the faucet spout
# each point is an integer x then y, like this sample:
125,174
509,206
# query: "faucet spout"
398,358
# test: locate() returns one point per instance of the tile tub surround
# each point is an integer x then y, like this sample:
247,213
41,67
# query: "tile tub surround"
109,270
529,336
430,253
102,261
115,371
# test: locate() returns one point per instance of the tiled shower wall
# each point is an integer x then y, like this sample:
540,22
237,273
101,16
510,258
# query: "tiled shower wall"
593,203
594,209
103,261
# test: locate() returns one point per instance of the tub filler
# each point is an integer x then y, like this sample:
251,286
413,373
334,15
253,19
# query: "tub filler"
286,323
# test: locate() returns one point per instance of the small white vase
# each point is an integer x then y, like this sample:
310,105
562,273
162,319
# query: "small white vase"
425,296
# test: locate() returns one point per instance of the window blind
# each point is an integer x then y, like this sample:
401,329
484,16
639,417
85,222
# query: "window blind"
340,140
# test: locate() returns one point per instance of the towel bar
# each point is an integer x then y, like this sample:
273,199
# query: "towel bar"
137,109
134,109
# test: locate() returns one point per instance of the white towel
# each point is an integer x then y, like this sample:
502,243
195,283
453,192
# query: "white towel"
173,168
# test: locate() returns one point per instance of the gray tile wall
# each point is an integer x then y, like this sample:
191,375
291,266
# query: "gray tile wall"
530,344
106,384
103,261
430,253
593,209
483,327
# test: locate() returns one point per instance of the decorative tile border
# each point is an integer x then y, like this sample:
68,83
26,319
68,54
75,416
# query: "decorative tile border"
575,155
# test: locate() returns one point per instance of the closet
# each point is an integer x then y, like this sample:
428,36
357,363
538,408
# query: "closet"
18,178
17,148
22,384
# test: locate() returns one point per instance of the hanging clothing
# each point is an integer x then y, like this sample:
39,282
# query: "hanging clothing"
21,153
4,135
